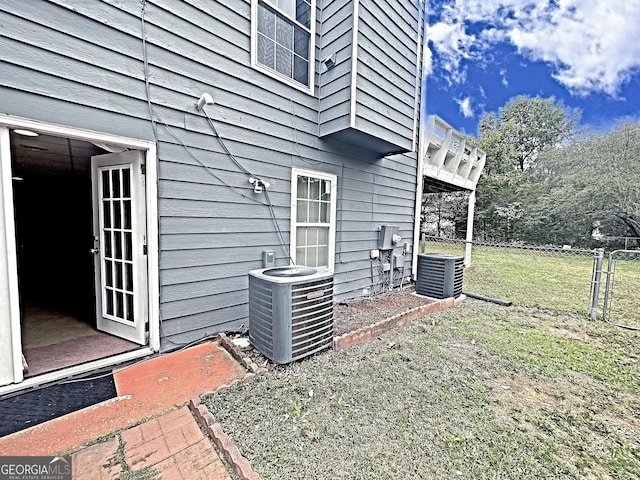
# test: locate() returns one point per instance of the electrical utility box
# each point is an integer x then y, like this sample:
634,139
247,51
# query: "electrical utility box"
387,233
440,275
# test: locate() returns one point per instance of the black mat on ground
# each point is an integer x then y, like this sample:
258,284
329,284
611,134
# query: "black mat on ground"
38,406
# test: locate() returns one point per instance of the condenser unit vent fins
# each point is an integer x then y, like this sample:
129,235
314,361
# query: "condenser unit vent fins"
290,313
440,275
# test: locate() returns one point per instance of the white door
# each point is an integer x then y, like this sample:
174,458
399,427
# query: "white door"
10,341
118,187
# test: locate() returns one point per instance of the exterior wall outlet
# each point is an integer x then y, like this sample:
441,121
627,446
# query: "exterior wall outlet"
375,253
268,259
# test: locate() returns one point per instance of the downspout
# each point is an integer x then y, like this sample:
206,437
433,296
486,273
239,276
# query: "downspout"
421,146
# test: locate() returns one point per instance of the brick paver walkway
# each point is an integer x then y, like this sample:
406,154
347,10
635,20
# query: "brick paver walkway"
172,446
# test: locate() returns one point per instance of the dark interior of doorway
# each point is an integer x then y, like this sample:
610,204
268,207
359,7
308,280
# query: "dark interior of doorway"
53,212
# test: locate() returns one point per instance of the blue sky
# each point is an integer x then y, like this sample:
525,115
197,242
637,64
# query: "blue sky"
585,53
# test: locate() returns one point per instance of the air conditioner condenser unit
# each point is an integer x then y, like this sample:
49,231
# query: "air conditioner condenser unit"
440,275
290,312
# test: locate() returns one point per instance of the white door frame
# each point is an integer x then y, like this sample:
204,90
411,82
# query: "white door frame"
11,358
9,295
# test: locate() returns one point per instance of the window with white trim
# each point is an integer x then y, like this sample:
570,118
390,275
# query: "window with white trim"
313,215
283,39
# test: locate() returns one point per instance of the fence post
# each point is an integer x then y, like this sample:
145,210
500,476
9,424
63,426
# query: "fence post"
595,281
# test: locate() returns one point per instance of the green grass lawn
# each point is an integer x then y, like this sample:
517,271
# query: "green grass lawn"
477,391
556,282
559,281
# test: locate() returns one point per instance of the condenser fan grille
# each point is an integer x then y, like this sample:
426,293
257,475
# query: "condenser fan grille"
290,317
440,275
311,317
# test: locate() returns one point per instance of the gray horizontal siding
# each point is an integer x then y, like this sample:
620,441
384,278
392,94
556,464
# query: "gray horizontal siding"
80,63
385,85
387,57
334,86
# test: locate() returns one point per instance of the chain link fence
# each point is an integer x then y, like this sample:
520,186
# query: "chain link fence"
621,304
552,278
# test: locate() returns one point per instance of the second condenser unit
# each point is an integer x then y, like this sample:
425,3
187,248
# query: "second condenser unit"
440,275
290,312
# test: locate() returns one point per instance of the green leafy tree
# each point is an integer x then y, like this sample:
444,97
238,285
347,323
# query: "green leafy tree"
522,129
591,185
513,139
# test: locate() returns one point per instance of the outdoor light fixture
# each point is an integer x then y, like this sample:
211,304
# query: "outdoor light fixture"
25,133
258,185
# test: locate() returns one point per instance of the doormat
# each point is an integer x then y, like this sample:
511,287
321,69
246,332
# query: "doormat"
39,406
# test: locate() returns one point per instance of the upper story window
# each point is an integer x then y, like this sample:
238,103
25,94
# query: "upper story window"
283,40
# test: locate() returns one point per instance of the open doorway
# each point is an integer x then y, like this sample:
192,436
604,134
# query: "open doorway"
54,222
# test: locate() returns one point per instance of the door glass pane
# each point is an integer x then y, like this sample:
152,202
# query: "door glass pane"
118,272
115,183
129,300
128,246
117,214
119,305
109,302
126,183
126,213
128,277
106,185
107,244
117,240
106,210
108,273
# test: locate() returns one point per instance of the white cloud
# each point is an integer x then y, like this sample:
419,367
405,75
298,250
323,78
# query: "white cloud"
590,44
464,104
503,76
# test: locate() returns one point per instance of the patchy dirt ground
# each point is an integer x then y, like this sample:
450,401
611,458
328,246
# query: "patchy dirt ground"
353,314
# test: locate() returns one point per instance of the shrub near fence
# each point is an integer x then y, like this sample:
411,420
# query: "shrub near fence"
555,279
